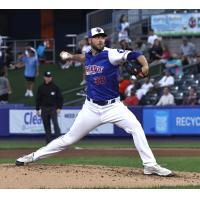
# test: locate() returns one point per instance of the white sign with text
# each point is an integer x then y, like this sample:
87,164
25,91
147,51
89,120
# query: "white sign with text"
27,122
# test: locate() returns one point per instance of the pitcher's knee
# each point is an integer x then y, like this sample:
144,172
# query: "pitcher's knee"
134,129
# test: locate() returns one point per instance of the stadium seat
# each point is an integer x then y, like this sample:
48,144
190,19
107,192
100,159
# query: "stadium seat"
174,89
179,98
151,98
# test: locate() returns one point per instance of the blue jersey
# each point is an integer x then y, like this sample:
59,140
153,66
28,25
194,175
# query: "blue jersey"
41,50
31,64
102,73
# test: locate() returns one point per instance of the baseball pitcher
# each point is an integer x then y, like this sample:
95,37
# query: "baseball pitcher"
102,104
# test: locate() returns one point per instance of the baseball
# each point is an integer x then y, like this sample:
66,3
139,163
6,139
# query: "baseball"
65,55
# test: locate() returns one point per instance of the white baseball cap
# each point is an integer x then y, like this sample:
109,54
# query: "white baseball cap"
96,31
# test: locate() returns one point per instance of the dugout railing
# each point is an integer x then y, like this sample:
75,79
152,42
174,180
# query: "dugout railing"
16,46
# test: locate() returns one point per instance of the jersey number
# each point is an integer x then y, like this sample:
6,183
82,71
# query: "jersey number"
100,80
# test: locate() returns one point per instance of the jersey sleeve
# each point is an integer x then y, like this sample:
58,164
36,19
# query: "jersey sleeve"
117,56
23,59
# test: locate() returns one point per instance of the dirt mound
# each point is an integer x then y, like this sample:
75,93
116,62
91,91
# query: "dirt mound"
78,176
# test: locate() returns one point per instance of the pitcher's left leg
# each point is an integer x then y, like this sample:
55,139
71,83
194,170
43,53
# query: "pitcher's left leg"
132,126
127,120
121,116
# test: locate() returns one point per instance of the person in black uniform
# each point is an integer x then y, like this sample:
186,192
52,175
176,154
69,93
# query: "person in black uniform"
49,102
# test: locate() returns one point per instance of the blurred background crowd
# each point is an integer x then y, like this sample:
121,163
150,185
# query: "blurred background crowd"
172,50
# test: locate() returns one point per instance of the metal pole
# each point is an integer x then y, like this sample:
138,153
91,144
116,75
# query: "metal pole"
140,14
54,53
35,44
87,23
15,51
74,42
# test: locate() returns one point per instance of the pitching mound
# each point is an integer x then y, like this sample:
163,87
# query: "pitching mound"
77,176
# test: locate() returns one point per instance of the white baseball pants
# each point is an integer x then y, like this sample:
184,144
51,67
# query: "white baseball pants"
93,115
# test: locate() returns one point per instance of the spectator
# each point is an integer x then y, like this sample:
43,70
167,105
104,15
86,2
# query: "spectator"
5,88
85,49
198,58
1,54
19,64
108,41
2,57
151,38
188,49
133,85
131,100
156,52
86,46
67,64
31,70
123,84
123,29
166,81
141,46
146,86
166,54
174,65
191,98
166,99
124,45
29,47
8,57
2,64
41,50
184,60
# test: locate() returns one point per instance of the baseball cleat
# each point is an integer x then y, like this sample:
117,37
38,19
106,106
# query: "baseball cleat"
25,160
157,170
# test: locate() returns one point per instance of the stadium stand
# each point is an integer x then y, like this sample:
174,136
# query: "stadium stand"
139,25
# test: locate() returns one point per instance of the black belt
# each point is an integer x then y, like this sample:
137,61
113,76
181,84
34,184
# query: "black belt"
102,103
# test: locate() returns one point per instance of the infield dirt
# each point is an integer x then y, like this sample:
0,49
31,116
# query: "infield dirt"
78,176
38,175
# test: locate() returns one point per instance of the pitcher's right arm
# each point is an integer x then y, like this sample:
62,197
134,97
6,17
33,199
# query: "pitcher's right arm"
76,57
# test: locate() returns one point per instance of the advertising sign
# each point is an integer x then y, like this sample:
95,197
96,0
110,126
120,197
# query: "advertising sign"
171,121
27,122
176,24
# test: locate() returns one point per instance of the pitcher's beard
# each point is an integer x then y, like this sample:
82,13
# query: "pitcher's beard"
96,49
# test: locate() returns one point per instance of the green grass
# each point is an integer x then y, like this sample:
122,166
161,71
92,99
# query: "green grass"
182,164
21,144
190,164
128,143
99,143
120,161
186,164
175,144
65,79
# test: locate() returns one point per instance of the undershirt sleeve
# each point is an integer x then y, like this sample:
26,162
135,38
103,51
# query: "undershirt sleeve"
117,56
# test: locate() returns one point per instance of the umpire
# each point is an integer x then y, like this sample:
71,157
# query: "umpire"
50,101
